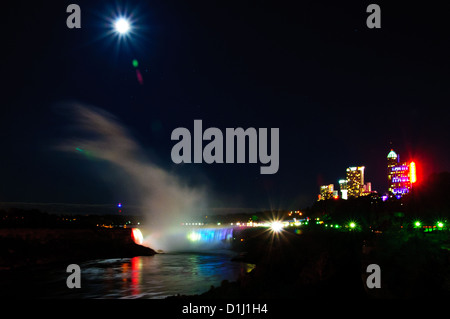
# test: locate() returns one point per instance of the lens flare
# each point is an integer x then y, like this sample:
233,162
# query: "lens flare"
276,226
139,77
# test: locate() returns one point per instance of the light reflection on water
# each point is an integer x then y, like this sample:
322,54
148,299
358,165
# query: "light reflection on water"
156,276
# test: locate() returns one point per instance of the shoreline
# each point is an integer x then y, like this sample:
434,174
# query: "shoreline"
29,247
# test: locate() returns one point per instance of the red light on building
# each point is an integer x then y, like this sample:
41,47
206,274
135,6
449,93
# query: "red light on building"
413,172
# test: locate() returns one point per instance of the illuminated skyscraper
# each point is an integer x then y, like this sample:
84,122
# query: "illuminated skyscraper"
355,181
343,188
401,176
367,189
326,192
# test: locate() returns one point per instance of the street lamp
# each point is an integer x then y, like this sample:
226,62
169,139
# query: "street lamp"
276,226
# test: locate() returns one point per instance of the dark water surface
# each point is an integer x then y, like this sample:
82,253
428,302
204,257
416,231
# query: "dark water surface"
156,277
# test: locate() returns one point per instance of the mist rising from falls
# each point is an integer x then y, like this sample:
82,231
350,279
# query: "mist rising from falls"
164,199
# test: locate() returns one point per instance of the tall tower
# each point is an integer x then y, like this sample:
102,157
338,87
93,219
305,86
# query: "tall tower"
392,161
401,176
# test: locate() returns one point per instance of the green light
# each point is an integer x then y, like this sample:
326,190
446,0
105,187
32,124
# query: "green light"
352,225
135,63
85,152
417,224
440,224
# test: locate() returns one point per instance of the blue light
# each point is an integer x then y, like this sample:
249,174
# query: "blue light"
211,235
119,205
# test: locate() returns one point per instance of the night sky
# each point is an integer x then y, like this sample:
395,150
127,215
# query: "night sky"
341,94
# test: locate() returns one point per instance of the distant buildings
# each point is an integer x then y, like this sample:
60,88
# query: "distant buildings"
327,192
401,177
352,186
343,188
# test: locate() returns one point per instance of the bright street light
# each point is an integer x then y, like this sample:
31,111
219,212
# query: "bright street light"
276,226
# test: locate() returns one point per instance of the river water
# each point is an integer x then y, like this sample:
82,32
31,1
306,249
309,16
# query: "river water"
153,277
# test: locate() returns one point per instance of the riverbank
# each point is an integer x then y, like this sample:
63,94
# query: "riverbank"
27,247
289,265
333,264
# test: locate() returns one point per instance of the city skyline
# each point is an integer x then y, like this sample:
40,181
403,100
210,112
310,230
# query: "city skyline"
189,151
400,175
328,191
339,92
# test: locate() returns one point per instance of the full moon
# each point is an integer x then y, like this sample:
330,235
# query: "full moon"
122,26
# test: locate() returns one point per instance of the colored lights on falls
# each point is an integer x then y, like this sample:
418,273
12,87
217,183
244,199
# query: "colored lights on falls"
225,234
137,236
211,235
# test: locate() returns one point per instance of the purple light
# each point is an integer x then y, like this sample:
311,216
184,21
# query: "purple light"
139,77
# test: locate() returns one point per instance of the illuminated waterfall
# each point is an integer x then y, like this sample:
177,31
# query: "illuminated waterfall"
210,237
